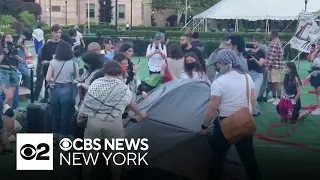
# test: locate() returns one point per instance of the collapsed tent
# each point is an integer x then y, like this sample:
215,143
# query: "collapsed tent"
175,114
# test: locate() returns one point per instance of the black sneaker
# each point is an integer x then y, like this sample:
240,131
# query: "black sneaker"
6,152
256,115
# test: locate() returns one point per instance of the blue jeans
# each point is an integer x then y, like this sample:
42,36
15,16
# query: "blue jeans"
62,108
1,121
258,80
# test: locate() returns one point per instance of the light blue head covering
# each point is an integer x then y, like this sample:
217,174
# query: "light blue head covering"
228,58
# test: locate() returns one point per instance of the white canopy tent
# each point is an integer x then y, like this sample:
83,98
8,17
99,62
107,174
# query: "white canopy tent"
254,10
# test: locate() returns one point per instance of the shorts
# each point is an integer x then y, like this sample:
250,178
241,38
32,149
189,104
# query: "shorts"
315,81
274,76
8,78
97,128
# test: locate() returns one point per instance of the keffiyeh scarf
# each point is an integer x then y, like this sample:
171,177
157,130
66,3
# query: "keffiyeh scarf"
230,60
104,94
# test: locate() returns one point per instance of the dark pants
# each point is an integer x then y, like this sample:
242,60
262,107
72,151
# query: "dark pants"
38,87
62,108
245,151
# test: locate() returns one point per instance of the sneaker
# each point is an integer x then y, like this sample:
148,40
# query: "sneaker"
7,111
271,100
316,112
6,152
276,101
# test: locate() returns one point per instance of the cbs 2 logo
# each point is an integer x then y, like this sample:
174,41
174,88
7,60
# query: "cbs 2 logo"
29,152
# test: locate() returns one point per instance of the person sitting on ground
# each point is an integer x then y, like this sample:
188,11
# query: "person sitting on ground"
96,48
108,49
174,64
102,109
192,69
211,69
290,105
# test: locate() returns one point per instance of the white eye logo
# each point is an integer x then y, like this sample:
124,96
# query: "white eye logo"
65,144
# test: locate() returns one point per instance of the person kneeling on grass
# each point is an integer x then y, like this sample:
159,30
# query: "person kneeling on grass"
290,105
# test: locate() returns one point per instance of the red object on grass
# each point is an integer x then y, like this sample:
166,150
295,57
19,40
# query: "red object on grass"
306,81
30,58
310,107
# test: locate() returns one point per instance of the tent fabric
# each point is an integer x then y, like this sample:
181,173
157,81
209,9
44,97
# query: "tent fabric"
175,114
254,10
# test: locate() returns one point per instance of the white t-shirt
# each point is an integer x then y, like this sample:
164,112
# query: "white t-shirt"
155,62
196,76
78,38
231,88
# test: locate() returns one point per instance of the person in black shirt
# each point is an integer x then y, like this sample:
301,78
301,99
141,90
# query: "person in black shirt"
185,42
256,58
196,42
46,55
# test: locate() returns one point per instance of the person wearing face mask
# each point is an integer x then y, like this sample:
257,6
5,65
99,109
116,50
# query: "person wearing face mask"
192,69
102,109
131,78
256,58
185,42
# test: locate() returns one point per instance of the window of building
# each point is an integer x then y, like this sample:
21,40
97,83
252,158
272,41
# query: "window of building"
121,10
55,8
91,10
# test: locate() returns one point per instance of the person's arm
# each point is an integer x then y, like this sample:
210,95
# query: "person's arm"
49,74
1,58
135,109
149,53
298,86
163,69
82,41
212,110
164,52
202,60
18,58
261,60
44,59
252,91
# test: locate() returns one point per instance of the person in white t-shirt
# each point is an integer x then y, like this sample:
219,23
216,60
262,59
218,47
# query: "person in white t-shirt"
156,53
38,39
228,95
79,39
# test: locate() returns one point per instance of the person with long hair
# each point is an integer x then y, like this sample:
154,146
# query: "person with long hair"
9,62
289,106
174,64
103,106
131,78
192,69
62,71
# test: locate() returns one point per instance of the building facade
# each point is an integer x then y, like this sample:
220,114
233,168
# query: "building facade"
71,12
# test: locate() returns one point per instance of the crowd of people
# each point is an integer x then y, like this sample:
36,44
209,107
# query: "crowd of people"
94,100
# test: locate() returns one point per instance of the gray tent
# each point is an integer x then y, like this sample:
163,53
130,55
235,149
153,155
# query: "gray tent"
175,114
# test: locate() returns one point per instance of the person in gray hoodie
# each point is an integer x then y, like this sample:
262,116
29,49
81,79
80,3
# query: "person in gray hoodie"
238,46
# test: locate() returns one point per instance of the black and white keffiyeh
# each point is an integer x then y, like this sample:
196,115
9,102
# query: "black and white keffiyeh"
104,94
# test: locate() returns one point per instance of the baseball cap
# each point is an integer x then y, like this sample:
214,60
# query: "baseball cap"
157,36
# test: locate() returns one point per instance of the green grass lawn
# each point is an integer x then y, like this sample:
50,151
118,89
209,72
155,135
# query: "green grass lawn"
276,161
